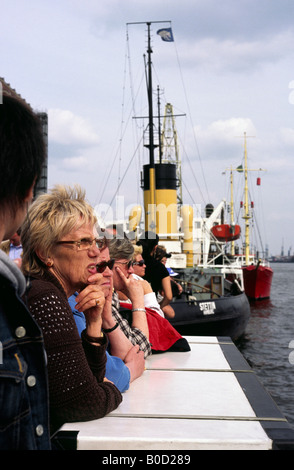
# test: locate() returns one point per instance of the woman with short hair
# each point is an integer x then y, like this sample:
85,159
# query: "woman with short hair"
122,250
60,253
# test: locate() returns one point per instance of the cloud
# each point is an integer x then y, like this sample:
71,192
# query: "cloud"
236,55
226,129
67,128
223,138
236,59
287,135
74,163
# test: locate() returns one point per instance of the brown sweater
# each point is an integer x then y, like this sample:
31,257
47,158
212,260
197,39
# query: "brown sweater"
76,368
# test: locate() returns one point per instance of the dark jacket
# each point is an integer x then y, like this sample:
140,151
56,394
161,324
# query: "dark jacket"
24,421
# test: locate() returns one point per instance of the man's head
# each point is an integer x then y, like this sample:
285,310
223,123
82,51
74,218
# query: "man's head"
21,151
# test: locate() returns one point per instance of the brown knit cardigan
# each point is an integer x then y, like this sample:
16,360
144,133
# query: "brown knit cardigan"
76,368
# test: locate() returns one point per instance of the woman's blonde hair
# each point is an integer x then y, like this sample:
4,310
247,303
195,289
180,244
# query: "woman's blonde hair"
49,218
138,250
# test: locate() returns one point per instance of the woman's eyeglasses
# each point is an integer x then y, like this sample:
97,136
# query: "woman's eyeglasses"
105,264
139,263
85,243
129,264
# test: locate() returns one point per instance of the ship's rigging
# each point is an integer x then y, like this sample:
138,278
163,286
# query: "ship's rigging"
243,206
169,142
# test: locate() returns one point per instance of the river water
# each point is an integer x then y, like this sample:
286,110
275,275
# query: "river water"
266,343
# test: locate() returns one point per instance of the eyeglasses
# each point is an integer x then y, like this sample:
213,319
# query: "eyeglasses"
129,264
139,263
105,264
85,243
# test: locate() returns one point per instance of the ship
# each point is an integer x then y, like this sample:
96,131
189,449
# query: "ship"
213,301
257,272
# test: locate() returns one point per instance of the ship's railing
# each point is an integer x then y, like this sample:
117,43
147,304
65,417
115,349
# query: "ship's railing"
251,260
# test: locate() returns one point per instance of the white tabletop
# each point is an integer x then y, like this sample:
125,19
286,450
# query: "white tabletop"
185,400
196,359
124,434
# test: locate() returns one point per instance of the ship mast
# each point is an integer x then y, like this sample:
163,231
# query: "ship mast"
169,144
158,178
151,218
232,209
246,205
246,215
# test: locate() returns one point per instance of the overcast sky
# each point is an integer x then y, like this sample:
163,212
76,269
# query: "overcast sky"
229,71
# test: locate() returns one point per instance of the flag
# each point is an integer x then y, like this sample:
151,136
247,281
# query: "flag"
239,168
166,34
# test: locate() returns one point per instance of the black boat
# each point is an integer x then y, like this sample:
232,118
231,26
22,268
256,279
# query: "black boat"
223,316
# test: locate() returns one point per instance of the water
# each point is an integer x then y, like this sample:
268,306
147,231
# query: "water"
266,342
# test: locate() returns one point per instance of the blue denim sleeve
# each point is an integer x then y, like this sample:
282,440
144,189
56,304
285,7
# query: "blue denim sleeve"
78,316
116,370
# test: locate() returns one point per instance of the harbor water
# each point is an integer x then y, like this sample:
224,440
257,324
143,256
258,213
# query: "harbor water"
266,344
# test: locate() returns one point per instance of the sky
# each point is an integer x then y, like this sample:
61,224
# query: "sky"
228,72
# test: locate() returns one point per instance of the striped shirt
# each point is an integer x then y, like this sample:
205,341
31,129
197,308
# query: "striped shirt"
135,335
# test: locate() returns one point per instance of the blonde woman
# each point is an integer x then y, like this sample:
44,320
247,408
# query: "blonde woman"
60,252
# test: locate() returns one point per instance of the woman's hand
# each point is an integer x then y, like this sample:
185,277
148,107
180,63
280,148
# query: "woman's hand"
133,288
91,302
135,292
107,318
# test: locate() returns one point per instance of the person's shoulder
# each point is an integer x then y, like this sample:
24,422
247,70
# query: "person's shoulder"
135,276
39,286
160,266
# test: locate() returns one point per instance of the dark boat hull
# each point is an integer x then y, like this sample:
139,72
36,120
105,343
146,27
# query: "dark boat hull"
257,281
224,316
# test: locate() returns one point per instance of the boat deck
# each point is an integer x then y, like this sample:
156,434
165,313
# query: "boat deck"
208,398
